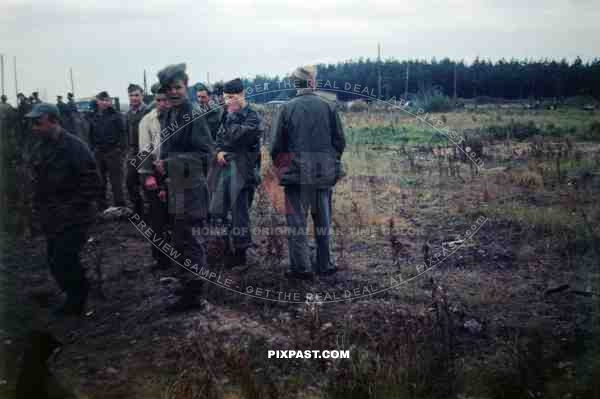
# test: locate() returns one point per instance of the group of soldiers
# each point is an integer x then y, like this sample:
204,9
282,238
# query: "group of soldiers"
193,164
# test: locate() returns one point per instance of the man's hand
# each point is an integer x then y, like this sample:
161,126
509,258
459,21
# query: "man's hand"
160,167
151,183
221,158
233,107
162,195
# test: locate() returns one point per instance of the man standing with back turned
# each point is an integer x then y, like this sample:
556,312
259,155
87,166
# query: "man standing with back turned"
307,147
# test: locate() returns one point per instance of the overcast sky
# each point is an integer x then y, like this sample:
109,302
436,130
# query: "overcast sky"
109,44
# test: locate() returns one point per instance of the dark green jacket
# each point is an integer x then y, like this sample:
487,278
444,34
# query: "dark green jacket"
214,114
67,183
187,148
308,141
132,121
239,136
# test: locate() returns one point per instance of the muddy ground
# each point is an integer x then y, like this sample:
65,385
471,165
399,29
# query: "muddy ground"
494,316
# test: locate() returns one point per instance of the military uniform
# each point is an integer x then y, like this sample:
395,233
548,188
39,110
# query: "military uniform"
67,186
149,145
214,115
133,118
233,185
107,139
186,154
308,142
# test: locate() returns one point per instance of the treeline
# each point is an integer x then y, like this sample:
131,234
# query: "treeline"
514,79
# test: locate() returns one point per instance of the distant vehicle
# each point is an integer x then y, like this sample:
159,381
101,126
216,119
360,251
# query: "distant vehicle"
88,104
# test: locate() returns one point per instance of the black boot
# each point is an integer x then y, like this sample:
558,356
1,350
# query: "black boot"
238,258
74,305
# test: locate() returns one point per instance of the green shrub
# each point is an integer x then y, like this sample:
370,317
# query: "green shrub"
592,133
433,101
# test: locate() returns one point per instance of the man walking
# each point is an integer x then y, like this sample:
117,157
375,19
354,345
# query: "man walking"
137,110
149,146
238,167
107,140
67,185
307,147
35,98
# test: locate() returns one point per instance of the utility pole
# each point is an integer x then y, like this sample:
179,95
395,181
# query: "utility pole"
378,71
16,80
72,84
455,82
406,83
2,71
145,84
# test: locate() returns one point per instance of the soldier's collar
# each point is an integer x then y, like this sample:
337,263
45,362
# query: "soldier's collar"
305,91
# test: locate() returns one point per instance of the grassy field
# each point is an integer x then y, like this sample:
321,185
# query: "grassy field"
511,312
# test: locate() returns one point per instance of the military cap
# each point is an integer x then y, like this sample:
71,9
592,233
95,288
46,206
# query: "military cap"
103,95
171,73
201,87
155,88
234,86
43,109
70,95
4,98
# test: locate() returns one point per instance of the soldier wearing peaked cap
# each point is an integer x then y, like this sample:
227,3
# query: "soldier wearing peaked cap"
184,157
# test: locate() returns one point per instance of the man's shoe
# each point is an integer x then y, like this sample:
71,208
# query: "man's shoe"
305,276
328,272
237,259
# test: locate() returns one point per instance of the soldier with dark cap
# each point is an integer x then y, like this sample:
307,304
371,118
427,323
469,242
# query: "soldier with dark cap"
152,183
35,99
107,140
213,110
71,102
307,146
23,106
184,157
65,116
218,93
137,110
7,112
238,167
67,185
